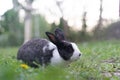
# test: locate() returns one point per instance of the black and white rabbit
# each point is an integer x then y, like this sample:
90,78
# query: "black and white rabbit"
44,52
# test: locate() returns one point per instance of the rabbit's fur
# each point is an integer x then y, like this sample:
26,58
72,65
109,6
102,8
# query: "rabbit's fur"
44,52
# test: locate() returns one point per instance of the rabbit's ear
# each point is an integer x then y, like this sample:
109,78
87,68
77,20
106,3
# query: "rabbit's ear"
51,37
59,34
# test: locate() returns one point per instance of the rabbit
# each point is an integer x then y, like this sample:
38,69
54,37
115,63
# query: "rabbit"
56,50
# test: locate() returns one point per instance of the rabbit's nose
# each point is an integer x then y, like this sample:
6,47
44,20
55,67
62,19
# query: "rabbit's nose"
79,54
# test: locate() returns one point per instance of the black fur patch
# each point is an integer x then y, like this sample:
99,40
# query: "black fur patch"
66,51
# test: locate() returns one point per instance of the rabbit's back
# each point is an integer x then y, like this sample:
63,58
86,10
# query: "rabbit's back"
35,51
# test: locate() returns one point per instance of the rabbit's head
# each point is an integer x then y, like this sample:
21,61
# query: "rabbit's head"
67,50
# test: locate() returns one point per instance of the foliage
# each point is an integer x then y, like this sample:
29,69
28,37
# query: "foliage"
72,35
76,36
14,31
112,31
108,32
12,28
98,59
11,20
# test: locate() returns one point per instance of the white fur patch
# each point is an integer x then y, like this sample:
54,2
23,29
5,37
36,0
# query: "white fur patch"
49,46
44,48
56,59
76,53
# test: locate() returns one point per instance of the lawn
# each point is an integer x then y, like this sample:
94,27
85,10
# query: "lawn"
99,61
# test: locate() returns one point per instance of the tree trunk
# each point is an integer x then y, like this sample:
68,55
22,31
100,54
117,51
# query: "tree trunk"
28,27
63,23
84,25
65,26
100,16
119,8
28,21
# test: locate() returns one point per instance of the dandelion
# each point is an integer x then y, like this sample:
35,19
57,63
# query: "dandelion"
24,66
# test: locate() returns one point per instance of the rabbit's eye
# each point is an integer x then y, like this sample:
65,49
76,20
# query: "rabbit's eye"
70,48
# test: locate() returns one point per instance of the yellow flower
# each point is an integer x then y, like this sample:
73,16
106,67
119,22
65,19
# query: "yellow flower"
24,66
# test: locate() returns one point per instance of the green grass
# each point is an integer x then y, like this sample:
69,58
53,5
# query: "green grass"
98,59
